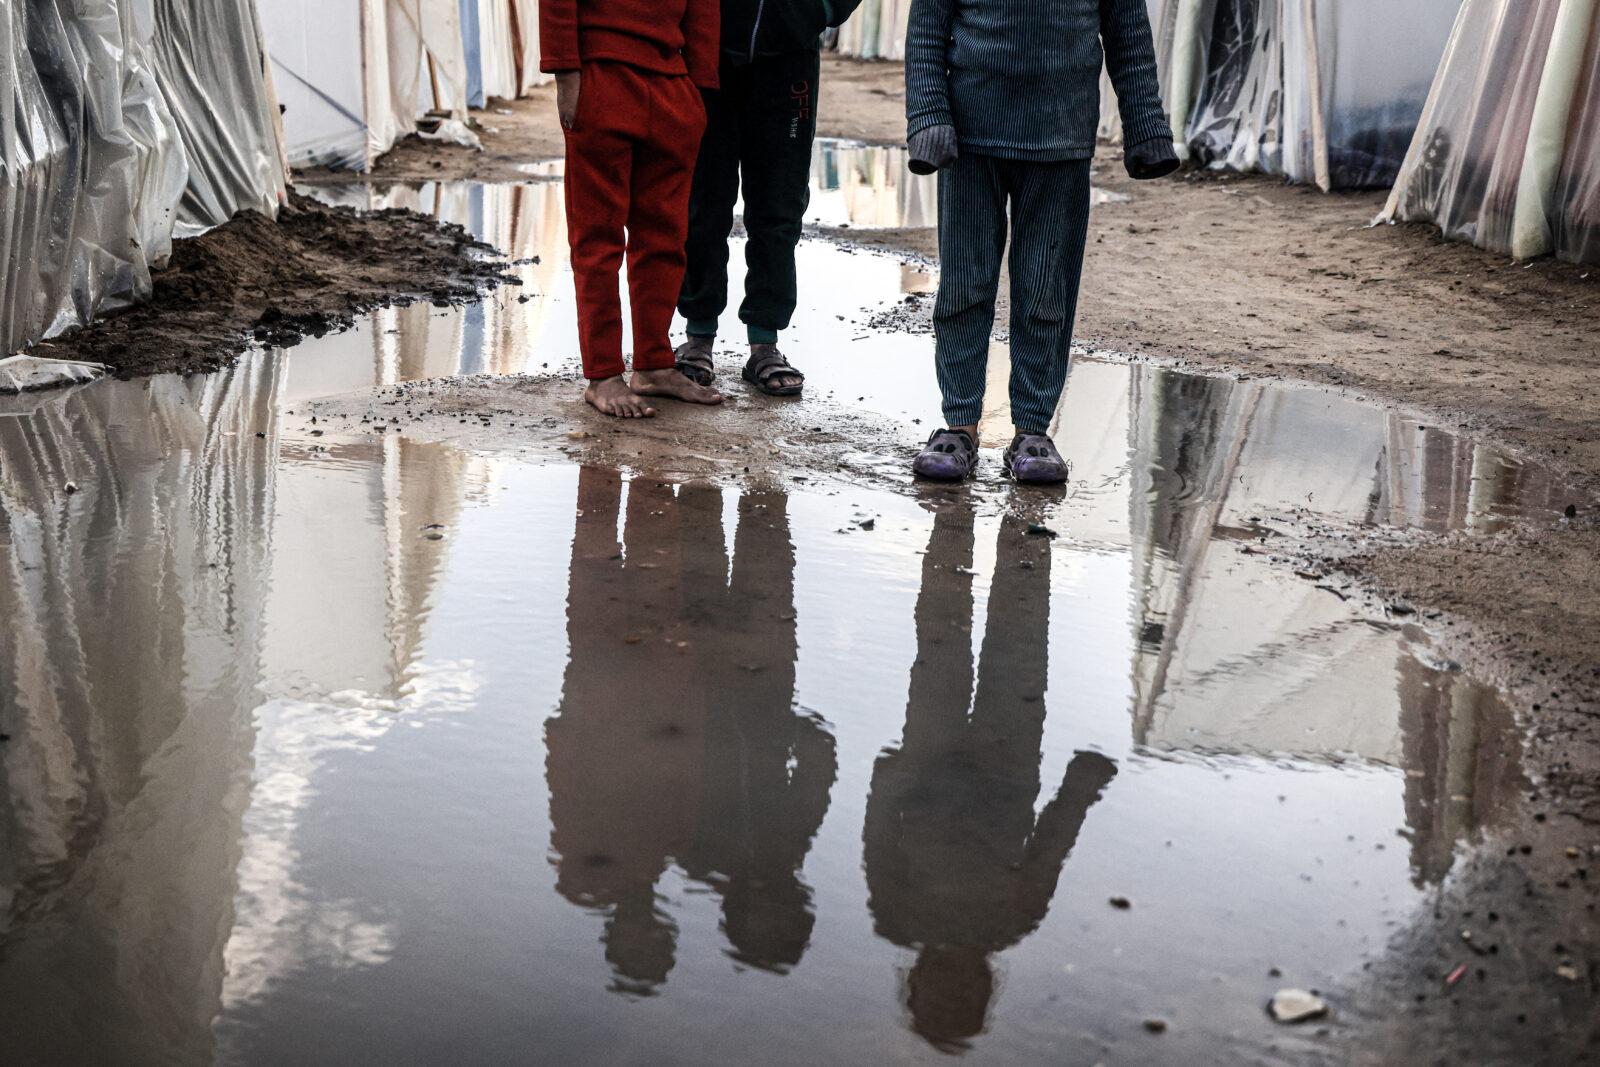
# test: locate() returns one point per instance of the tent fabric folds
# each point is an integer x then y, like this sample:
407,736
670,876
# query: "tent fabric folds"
1507,153
122,124
356,78
1316,90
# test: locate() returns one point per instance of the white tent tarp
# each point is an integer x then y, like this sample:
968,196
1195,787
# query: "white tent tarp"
122,122
354,78
1317,90
1507,153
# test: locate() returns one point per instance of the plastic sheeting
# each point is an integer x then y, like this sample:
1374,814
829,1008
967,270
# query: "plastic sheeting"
1577,194
1466,158
1317,90
120,121
356,79
209,64
1238,114
1507,154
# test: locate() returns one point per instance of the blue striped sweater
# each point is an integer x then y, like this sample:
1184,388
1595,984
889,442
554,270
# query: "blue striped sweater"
1021,78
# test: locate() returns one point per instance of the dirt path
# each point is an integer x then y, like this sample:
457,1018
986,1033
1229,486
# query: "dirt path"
1244,276
1230,275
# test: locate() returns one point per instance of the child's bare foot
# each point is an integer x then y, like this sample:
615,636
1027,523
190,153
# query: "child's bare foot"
671,382
611,396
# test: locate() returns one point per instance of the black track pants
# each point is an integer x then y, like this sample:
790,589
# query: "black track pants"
759,125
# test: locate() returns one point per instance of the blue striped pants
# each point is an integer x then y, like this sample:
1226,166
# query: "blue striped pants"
1049,205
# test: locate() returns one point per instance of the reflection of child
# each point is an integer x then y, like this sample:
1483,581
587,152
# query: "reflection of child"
1002,98
636,65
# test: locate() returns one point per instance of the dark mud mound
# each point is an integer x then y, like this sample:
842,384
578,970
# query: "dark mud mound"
306,274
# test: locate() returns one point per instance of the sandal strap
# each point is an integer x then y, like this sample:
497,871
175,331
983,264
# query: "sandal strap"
771,364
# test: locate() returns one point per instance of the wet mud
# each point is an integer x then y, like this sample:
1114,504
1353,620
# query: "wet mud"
600,758
462,722
467,703
254,281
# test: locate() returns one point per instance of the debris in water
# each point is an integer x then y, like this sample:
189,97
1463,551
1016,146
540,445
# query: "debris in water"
434,526
1155,1026
577,435
1455,975
72,487
1038,530
1296,1005
24,374
1567,971
1121,902
1402,609
1310,576
434,536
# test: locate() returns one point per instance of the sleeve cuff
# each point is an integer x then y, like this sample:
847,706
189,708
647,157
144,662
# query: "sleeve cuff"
1150,129
918,123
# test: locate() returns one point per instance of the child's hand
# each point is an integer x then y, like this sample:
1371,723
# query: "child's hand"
568,82
1150,159
932,148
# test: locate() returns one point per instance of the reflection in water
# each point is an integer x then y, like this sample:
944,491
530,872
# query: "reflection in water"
869,187
677,739
957,866
1301,675
272,786
132,596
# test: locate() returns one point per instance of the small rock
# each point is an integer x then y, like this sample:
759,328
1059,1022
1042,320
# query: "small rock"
1296,1005
1567,971
1121,902
1572,511
1037,530
577,435
868,524
1155,1026
72,487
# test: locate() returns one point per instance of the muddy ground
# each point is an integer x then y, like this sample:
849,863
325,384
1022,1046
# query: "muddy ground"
1245,276
1230,275
256,281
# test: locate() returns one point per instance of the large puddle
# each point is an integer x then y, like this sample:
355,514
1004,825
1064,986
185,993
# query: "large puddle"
368,750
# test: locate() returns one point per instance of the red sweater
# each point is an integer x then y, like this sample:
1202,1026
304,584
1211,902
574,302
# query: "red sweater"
666,36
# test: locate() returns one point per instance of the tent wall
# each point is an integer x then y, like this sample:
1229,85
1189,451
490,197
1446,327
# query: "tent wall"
356,79
1317,90
316,53
121,122
1465,169
1577,193
209,63
527,15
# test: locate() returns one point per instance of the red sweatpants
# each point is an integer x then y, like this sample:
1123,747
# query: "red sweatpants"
630,162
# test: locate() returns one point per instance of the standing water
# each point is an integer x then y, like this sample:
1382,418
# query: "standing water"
328,747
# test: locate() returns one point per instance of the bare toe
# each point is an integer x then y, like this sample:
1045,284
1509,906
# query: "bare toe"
611,396
671,382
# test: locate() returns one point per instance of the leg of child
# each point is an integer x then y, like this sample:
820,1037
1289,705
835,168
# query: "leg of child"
972,240
599,167
778,123
1050,212
715,190
658,223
